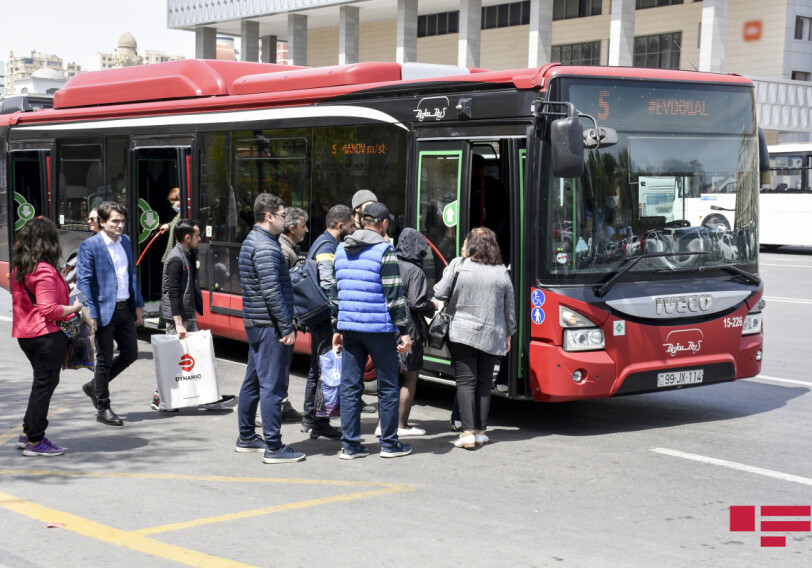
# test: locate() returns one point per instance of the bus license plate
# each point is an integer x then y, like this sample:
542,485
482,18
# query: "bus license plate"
677,378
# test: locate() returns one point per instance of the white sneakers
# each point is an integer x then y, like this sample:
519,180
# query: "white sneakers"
465,441
410,431
468,441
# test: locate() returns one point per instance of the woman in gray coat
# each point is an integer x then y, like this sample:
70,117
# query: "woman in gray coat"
482,320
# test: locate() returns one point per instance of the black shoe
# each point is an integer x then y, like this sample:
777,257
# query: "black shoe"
325,431
88,389
290,414
367,408
304,427
109,417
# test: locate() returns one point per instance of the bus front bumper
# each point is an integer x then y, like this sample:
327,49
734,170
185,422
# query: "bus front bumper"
553,371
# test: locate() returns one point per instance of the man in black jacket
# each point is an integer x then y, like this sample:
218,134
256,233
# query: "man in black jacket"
181,300
267,304
339,225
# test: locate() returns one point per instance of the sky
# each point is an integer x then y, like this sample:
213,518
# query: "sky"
76,29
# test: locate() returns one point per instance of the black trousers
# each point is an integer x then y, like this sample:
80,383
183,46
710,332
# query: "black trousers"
46,354
473,371
121,329
321,341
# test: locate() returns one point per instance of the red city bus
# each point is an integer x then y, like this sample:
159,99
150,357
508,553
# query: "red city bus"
612,295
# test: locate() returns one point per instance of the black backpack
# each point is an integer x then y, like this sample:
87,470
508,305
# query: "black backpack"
311,306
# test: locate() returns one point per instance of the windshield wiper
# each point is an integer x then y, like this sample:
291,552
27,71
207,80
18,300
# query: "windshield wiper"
603,289
751,278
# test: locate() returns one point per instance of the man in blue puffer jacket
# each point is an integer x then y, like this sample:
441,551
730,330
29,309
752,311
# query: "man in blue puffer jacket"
267,304
368,314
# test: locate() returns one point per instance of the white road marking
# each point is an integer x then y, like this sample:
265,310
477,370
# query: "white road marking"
790,381
5,318
788,300
734,465
786,265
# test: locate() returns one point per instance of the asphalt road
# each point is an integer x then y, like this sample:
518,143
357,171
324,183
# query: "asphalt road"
635,481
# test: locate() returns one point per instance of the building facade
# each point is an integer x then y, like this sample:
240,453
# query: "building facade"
43,81
127,55
23,67
769,41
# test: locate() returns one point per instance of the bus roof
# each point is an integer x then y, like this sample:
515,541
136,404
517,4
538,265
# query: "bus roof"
197,85
646,73
793,147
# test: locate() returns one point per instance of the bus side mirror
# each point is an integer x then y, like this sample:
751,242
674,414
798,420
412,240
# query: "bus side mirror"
567,141
763,152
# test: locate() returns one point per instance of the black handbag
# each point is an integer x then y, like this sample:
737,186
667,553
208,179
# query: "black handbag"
69,327
438,327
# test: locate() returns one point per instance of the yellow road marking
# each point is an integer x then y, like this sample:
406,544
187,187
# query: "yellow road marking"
137,540
174,477
275,509
118,537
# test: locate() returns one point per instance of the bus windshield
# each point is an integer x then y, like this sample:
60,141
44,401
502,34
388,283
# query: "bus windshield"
681,180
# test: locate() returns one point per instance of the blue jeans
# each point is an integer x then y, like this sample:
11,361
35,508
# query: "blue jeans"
383,349
265,384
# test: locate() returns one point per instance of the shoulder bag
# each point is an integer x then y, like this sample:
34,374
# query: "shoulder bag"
69,327
438,328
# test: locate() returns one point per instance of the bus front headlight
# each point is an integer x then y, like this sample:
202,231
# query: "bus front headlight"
752,324
583,339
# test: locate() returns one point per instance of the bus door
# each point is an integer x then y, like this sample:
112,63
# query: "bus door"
466,184
161,178
29,180
442,173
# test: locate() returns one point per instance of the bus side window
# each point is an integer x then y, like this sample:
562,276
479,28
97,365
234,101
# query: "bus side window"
81,184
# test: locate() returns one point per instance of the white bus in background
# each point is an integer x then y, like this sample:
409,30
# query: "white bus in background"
786,197
702,202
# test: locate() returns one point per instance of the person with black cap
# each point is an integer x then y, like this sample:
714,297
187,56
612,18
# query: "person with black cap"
369,319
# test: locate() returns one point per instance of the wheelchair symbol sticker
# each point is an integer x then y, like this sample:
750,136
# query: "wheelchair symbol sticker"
537,298
537,315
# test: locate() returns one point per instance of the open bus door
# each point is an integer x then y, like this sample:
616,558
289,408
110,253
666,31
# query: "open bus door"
29,189
30,185
442,173
160,168
461,185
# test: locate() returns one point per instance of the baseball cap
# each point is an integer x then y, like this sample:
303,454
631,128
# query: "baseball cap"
377,212
362,196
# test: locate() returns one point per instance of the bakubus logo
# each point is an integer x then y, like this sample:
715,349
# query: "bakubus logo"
682,341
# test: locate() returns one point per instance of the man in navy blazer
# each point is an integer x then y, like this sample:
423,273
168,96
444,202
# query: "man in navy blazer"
106,274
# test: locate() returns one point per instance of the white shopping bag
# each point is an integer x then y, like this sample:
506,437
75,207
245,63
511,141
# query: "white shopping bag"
185,369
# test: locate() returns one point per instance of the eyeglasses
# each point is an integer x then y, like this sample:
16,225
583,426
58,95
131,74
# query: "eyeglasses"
283,214
92,219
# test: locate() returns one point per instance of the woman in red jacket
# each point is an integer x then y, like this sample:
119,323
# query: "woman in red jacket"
40,299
